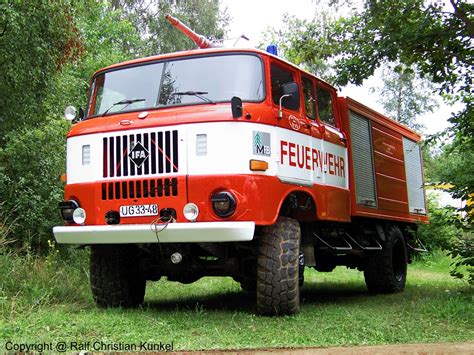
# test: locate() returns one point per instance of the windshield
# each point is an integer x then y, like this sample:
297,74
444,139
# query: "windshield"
188,81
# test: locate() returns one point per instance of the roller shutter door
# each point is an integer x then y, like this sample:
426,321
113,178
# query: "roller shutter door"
414,175
362,157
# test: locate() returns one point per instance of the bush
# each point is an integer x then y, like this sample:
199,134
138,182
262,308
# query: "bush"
30,280
440,233
449,231
463,253
6,226
32,161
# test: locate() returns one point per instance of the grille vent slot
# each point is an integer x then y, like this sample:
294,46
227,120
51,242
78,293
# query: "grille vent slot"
149,188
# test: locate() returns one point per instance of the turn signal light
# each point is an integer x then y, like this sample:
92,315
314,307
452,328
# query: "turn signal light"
63,178
258,165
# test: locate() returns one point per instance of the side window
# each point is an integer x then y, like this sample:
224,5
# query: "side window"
309,101
279,77
325,109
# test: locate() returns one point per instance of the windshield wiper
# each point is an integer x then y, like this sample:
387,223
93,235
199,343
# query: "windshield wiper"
125,102
194,93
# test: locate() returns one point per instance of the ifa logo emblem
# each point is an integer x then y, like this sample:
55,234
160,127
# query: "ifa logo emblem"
138,155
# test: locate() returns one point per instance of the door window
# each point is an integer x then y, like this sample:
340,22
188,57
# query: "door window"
309,101
279,77
325,109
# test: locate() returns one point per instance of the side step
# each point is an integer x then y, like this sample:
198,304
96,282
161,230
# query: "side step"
350,242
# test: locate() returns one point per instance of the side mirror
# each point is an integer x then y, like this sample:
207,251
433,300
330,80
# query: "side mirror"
236,103
292,101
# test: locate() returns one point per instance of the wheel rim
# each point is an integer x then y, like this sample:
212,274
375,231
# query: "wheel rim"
398,261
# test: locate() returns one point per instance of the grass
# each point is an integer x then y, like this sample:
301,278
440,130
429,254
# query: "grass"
48,300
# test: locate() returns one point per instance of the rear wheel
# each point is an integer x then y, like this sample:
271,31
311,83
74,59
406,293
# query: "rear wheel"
278,268
115,276
386,271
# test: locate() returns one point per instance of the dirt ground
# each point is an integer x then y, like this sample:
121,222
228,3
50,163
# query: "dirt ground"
421,349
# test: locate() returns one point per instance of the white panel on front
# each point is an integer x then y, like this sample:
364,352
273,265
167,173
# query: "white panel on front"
76,171
230,147
414,175
117,155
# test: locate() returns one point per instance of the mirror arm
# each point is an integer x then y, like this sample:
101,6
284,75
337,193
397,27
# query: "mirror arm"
280,111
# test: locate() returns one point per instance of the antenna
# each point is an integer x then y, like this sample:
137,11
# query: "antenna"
238,38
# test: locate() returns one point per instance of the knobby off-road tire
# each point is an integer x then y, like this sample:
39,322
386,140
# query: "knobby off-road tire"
386,271
115,276
278,268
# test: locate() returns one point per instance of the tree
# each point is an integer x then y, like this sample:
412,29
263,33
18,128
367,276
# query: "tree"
439,42
404,96
297,39
36,39
159,36
108,37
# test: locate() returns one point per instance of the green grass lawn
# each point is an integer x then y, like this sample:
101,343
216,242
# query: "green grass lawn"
215,314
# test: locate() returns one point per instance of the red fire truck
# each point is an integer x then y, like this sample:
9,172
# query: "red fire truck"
234,162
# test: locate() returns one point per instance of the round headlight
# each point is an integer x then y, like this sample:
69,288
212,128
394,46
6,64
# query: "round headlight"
66,209
66,214
223,203
79,215
191,211
70,113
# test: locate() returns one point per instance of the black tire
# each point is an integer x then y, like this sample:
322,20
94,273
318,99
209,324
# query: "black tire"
115,276
386,271
278,268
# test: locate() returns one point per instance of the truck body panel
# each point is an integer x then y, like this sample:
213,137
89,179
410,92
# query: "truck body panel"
378,165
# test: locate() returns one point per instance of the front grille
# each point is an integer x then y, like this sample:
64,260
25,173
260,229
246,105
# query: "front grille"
139,189
160,149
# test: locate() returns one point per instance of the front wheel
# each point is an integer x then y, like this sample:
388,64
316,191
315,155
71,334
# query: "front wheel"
115,276
386,271
278,268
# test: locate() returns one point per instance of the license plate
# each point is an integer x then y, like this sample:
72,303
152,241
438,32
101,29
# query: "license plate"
138,210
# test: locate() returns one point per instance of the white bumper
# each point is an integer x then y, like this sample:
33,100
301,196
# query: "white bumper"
199,232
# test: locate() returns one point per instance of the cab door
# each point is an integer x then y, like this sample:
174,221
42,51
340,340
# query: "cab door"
293,131
334,145
309,99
